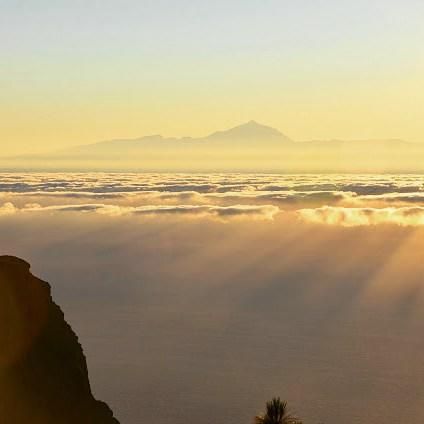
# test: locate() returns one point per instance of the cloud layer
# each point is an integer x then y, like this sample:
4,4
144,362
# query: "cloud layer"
352,217
347,200
224,212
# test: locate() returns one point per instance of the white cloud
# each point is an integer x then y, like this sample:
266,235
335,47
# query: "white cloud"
343,199
8,209
352,217
262,212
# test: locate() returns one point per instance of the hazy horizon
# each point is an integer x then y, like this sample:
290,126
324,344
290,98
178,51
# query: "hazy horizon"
249,147
183,137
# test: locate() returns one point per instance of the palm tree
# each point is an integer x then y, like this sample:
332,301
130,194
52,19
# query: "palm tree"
276,413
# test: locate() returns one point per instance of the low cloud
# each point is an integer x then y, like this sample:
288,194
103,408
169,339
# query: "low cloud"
7,209
353,217
344,200
262,212
72,194
392,198
266,212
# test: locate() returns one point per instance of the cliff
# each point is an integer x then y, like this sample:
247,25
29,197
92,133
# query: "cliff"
43,371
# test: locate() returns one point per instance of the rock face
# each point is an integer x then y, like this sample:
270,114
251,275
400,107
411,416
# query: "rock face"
43,371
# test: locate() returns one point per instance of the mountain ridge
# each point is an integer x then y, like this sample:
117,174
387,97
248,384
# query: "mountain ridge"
249,147
248,131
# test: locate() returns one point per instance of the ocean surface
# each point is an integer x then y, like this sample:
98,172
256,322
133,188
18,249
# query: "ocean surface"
199,297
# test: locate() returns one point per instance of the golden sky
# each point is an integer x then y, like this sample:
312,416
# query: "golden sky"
76,74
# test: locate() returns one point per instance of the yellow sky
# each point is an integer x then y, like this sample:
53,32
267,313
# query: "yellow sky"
369,109
76,75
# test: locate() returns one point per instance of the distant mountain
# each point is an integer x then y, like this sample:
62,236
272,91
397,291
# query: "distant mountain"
249,135
43,371
249,131
247,147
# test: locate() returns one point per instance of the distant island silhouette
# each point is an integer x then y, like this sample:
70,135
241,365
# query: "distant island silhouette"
43,371
248,147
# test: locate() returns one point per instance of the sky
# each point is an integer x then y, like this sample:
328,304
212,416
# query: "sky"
79,72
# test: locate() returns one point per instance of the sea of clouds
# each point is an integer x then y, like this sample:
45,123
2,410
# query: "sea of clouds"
346,200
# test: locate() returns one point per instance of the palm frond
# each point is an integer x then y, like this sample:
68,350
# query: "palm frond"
276,413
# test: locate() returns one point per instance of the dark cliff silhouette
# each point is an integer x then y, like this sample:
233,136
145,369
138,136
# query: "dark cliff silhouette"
43,371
